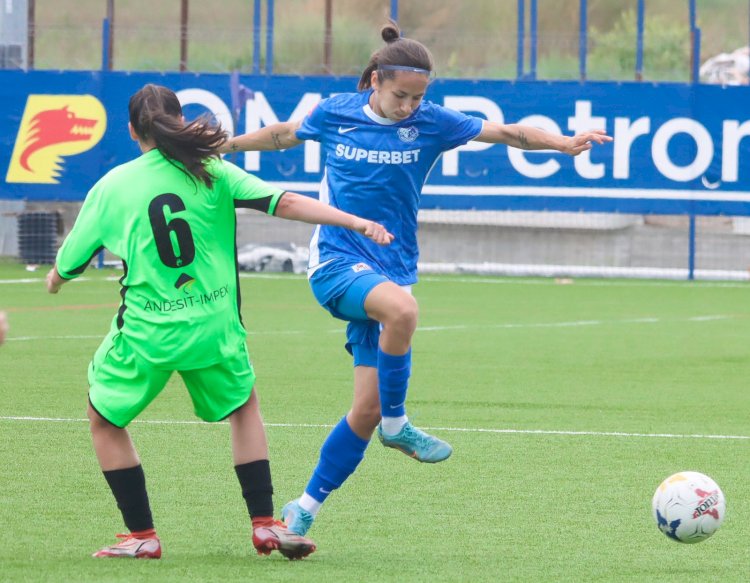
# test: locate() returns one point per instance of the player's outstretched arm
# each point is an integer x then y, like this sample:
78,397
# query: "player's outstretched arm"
297,207
278,136
531,138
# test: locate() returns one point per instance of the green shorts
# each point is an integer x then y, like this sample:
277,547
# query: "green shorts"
123,383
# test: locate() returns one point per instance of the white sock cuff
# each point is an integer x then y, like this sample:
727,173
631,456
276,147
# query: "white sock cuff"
392,425
309,503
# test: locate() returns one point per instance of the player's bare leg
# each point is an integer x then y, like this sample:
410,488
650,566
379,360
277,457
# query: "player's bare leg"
344,447
397,312
364,415
122,469
113,446
249,442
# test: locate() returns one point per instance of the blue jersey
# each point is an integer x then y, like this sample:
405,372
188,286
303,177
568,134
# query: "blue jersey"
375,168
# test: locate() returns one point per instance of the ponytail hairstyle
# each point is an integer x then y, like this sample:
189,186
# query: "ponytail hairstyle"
156,115
399,54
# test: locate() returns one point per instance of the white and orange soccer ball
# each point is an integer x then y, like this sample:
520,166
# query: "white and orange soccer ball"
688,507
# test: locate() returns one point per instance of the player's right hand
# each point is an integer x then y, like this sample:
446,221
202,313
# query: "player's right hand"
375,232
54,281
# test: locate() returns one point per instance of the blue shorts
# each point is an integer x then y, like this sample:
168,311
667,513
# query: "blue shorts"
341,287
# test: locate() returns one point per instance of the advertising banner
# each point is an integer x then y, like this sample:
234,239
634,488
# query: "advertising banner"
678,149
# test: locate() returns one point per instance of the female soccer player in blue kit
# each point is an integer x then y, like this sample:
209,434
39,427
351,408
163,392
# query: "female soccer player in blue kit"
380,144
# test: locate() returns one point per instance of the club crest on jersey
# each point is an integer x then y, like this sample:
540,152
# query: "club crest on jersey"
408,135
360,267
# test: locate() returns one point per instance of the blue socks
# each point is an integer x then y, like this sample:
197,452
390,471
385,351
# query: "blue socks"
343,449
393,380
339,457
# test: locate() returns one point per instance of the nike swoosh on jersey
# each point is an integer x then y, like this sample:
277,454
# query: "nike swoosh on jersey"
343,130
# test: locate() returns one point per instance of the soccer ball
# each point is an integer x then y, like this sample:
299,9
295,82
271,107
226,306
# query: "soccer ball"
688,507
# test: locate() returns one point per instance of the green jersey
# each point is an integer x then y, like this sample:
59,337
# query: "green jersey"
176,237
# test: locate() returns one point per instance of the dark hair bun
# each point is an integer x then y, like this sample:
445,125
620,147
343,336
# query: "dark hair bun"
390,32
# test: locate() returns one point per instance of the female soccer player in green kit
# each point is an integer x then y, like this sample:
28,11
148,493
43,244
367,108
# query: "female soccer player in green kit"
170,216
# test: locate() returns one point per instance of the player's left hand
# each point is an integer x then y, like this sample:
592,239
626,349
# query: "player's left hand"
3,326
585,141
54,281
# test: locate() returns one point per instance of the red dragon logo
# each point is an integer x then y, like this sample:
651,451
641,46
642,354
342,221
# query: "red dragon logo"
54,126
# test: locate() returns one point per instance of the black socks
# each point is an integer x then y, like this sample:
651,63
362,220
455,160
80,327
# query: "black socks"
129,488
257,489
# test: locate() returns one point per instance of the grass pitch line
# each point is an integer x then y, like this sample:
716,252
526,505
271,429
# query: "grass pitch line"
473,280
454,429
101,336
576,323
571,324
31,338
42,280
24,280
62,308
584,281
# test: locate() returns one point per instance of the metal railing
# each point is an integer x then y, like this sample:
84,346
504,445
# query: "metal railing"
263,33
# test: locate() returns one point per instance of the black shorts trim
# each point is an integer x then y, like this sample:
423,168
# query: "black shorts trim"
102,416
233,411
